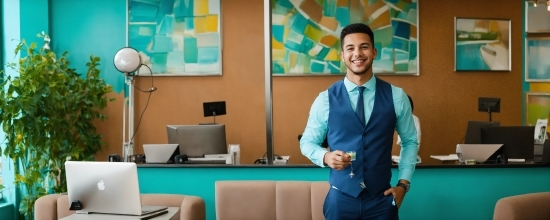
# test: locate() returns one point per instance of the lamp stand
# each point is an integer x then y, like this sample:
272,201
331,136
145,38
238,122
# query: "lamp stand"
128,143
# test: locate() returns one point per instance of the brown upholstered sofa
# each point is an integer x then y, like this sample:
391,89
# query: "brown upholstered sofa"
530,206
272,200
56,206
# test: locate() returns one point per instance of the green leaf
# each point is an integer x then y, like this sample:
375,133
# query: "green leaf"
47,114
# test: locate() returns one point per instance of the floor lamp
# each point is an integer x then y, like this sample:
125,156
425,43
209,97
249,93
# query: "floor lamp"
127,60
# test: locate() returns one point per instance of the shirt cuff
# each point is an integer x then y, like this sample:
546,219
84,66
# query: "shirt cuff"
320,155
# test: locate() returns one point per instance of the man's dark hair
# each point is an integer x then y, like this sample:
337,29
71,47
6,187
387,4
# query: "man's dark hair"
411,101
356,28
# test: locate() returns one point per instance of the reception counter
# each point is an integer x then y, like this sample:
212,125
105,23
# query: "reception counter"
437,191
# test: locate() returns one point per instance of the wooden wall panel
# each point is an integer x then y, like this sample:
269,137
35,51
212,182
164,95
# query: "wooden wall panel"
444,99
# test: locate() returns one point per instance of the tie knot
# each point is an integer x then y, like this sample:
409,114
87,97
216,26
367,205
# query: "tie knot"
361,89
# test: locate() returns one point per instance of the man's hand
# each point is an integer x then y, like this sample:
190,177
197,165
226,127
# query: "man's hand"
398,193
337,159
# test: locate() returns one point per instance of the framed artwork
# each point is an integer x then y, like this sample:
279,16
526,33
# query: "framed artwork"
482,44
536,18
177,37
306,35
538,106
537,67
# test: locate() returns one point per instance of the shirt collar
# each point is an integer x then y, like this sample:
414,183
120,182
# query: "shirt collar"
369,85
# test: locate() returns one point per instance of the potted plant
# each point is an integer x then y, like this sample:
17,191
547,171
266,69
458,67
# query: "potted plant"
46,113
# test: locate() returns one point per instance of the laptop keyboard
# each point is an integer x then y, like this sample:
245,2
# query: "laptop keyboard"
149,209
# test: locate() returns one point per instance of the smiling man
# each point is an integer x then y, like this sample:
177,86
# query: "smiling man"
358,115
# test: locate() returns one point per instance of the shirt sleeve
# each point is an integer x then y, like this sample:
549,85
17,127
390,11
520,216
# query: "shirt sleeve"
407,131
316,131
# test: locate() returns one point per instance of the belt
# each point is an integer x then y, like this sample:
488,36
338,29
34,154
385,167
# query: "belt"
362,185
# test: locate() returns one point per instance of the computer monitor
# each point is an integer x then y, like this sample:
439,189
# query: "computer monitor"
198,140
488,105
518,140
473,131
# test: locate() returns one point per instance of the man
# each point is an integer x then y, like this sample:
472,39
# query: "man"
360,188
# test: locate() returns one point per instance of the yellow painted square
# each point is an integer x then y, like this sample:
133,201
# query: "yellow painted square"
200,25
313,33
201,7
212,23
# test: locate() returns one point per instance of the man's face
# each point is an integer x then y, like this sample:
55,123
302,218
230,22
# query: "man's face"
358,53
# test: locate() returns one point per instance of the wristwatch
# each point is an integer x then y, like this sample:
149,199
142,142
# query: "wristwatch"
405,186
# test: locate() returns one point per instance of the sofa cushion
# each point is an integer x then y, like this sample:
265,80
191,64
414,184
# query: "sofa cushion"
293,200
63,207
43,207
245,200
278,200
527,206
319,192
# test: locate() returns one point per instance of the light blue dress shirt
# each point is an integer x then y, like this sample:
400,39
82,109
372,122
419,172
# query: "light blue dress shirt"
317,125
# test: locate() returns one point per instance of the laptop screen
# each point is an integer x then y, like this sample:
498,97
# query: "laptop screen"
518,140
104,187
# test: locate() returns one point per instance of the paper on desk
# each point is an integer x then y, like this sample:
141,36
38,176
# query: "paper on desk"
445,157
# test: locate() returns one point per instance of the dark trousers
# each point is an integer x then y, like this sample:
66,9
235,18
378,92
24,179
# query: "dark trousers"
341,206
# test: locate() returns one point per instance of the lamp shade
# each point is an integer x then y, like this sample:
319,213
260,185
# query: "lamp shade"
127,60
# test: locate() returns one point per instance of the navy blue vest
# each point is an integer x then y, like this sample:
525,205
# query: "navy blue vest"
372,143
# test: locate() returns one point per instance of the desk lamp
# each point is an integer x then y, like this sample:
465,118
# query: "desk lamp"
127,61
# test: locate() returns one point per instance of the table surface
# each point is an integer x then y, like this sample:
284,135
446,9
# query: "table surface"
98,216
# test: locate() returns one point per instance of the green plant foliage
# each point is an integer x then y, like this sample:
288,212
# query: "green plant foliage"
47,113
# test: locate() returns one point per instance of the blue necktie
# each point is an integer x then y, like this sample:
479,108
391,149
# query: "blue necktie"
360,108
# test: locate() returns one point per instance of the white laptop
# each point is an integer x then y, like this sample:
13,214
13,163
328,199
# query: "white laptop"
159,153
478,152
106,187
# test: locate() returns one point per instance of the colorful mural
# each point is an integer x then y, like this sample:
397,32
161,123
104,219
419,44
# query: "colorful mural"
177,37
537,69
538,106
482,45
306,34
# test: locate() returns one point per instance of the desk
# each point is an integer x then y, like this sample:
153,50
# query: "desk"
97,216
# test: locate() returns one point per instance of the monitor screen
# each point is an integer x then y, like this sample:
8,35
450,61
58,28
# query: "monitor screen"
473,131
198,140
488,104
518,140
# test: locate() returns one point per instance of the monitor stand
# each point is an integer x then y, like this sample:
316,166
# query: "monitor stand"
213,114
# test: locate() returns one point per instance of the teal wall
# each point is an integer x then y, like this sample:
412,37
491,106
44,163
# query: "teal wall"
11,24
21,19
6,211
88,27
436,193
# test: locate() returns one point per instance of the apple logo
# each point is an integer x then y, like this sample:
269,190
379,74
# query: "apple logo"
101,185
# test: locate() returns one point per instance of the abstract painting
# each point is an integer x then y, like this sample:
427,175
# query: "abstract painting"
176,37
538,106
536,18
482,45
537,67
306,35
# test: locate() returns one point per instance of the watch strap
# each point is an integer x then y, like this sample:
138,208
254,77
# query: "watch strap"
405,186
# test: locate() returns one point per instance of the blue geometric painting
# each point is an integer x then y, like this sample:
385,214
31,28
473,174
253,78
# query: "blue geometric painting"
482,44
177,37
537,67
306,35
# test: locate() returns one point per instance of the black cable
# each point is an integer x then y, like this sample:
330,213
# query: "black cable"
146,104
152,89
140,117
